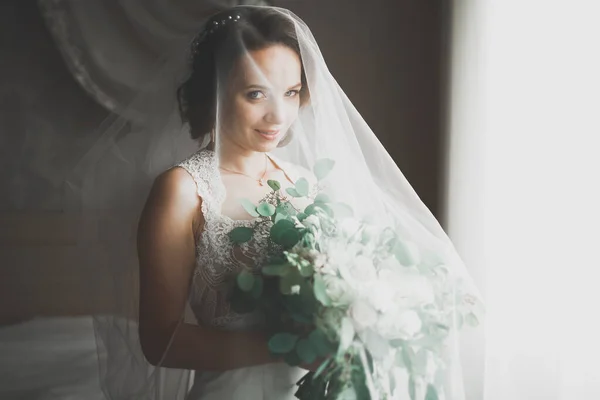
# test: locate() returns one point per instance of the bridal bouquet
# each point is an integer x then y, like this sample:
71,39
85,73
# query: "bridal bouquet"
371,306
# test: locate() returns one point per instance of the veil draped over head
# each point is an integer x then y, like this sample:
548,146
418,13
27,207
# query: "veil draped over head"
109,185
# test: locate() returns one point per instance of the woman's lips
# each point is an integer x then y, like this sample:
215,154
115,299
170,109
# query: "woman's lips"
268,134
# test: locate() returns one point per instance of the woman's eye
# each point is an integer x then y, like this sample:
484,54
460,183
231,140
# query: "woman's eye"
256,94
292,93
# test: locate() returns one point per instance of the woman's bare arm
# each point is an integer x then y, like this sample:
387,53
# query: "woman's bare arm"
166,252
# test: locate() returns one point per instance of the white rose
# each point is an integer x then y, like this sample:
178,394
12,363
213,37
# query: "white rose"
390,263
408,253
409,323
402,325
337,290
349,226
319,261
381,295
337,253
363,315
328,269
410,287
363,269
387,325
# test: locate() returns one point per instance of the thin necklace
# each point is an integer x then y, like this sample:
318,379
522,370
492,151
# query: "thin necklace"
260,181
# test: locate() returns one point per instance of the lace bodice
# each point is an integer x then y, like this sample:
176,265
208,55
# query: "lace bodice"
217,259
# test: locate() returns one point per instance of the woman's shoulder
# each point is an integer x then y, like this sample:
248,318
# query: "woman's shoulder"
175,185
172,203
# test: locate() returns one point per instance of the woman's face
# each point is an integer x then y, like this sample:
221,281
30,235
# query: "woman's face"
262,100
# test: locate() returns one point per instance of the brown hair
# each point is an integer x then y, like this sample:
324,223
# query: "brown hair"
222,43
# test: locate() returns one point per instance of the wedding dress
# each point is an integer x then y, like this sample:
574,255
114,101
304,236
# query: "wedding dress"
216,262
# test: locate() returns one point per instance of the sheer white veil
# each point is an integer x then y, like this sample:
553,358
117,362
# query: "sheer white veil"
110,184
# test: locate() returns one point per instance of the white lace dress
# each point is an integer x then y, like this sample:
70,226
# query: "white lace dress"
216,261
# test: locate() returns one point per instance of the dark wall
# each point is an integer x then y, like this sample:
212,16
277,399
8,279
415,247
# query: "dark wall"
44,114
387,55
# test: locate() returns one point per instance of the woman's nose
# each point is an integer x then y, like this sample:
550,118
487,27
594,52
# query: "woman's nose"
275,113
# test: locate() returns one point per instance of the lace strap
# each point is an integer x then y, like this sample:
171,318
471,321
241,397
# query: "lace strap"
201,166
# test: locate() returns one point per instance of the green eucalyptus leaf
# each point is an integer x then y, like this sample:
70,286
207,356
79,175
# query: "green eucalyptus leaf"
278,259
471,319
399,358
323,167
431,393
292,359
307,271
245,281
312,209
279,228
305,351
241,234
421,361
322,367
321,292
279,217
304,303
308,239
346,336
249,207
309,303
277,269
286,208
289,238
282,343
303,319
302,187
320,343
407,253
359,383
294,305
408,355
293,192
257,287
301,216
325,207
411,388
265,209
322,198
273,184
288,281
341,210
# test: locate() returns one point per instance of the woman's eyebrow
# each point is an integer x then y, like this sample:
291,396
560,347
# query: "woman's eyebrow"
253,86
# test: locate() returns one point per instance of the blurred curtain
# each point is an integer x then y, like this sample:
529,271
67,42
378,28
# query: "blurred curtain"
110,46
523,193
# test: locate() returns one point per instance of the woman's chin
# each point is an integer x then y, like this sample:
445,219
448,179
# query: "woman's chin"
267,145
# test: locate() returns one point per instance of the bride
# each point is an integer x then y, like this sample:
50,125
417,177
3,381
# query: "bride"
251,53
261,104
